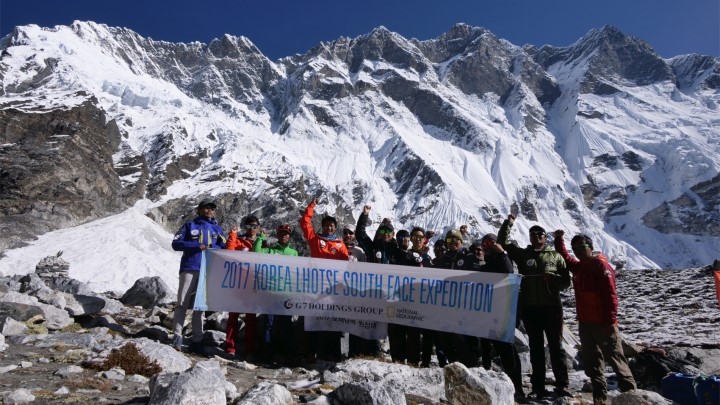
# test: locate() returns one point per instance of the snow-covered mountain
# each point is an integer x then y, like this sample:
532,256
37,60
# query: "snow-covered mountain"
602,137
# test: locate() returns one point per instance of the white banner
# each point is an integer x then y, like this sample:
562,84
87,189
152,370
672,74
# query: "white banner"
365,329
466,302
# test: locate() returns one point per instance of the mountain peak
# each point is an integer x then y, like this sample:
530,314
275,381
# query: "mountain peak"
461,129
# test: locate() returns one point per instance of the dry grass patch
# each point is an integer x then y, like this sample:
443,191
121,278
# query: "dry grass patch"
90,383
130,359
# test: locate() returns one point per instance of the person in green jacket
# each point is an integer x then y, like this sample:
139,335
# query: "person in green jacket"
280,326
544,276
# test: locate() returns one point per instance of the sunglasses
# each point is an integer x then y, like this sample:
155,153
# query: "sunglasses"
453,240
578,247
385,232
251,226
488,243
348,232
538,234
418,236
477,249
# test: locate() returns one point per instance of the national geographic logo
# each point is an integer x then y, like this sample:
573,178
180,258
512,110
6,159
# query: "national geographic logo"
403,313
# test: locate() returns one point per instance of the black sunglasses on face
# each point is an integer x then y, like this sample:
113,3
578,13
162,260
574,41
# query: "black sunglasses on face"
538,234
251,226
348,232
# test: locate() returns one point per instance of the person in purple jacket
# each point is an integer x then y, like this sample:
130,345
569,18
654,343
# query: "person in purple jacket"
192,239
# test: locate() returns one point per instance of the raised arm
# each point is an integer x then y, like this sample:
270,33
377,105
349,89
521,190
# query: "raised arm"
306,221
503,237
361,235
571,261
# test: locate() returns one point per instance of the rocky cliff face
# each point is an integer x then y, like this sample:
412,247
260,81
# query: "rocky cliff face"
464,128
57,169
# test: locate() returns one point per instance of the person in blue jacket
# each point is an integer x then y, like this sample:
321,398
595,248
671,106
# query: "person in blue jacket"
192,238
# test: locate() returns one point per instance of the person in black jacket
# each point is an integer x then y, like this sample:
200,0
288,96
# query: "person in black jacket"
495,260
462,348
383,248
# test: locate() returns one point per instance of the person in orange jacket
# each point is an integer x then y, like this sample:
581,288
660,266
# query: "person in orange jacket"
244,243
326,245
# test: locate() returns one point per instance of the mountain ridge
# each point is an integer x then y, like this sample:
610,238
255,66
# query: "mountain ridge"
463,128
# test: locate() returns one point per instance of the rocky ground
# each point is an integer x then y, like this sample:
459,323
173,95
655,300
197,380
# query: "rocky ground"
57,355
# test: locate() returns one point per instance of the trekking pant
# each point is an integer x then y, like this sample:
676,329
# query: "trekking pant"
361,346
602,344
509,358
185,301
404,343
430,338
463,348
547,321
232,329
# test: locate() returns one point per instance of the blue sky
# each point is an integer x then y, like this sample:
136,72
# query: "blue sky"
281,28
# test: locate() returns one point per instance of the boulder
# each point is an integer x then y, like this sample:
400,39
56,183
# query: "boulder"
67,284
170,360
68,371
10,284
112,306
19,396
79,304
640,397
18,311
55,318
11,327
51,297
79,340
202,384
266,393
368,393
155,332
3,345
147,292
30,283
477,386
424,384
105,321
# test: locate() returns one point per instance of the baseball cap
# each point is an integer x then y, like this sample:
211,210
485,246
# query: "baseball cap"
455,234
284,228
207,204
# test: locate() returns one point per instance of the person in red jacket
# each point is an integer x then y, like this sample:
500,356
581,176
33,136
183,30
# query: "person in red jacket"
326,245
244,243
597,306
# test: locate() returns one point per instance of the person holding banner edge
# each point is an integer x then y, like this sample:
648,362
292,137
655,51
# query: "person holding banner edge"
279,325
243,243
495,259
457,347
358,345
544,276
325,245
192,239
